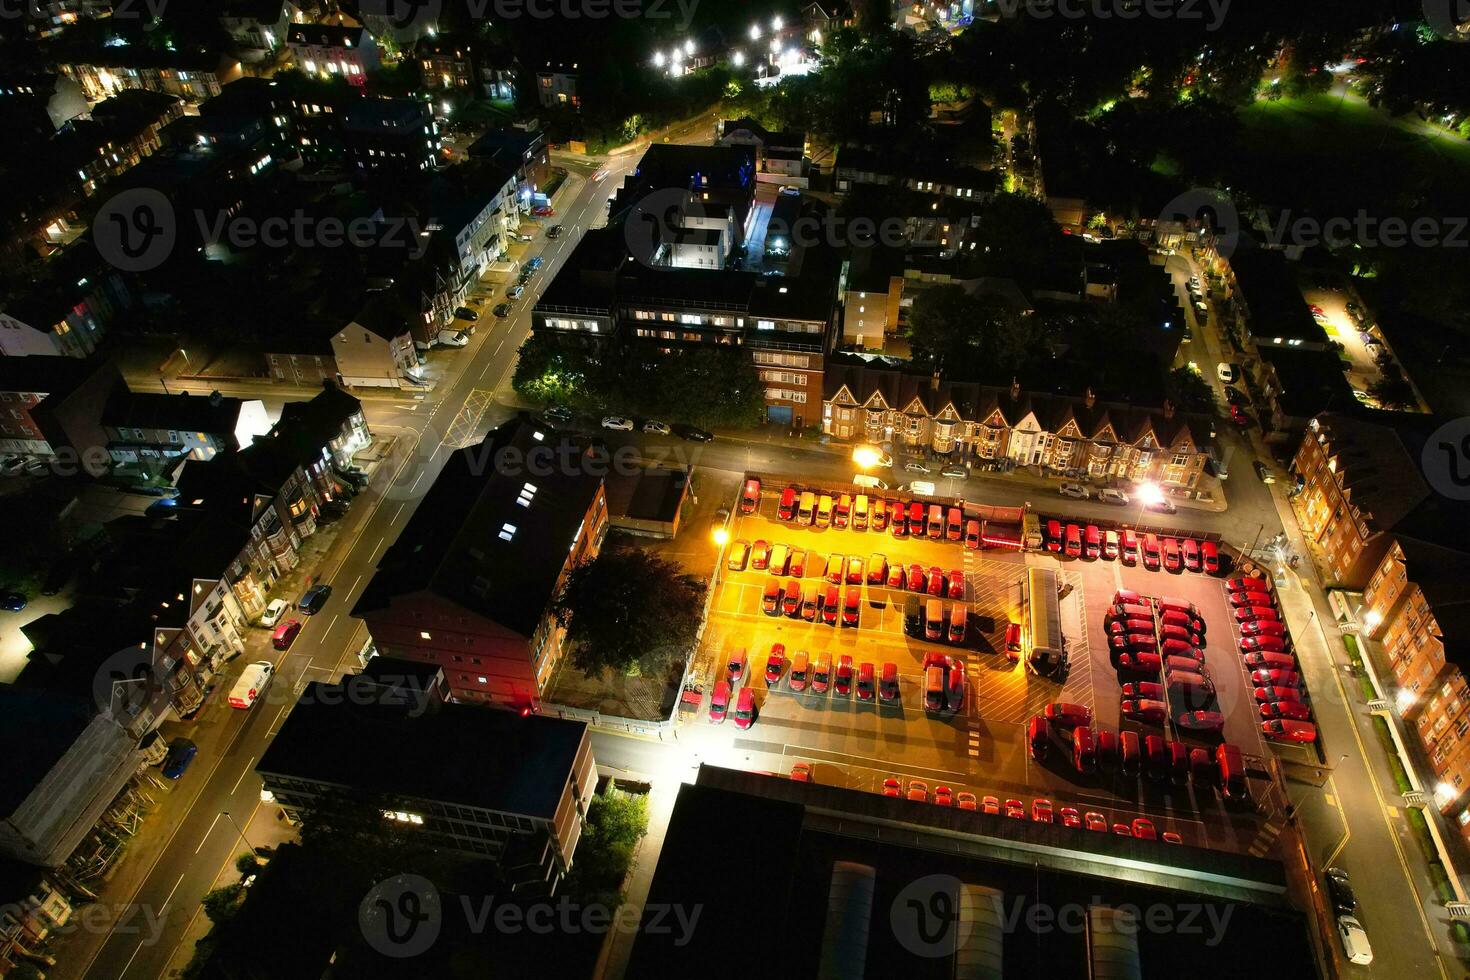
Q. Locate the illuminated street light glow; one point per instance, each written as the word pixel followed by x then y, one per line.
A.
pixel 738 58
pixel 689 47
pixel 1443 793
pixel 658 59
pixel 721 536
pixel 776 23
pixel 866 456
pixel 1404 700
pixel 1149 493
pixel 775 44
pixel 1371 619
pixel 755 32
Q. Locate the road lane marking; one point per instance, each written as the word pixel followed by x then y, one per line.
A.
pixel 171 893
pixel 129 962
pixel 241 779
pixel 208 832
pixel 334 619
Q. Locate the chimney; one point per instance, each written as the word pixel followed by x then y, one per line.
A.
pixel 1168 408
pixel 1015 388
pixel 215 398
pixel 1089 398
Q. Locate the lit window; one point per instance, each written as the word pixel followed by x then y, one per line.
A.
pixel 424 635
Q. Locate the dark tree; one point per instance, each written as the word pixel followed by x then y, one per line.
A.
pixel 627 607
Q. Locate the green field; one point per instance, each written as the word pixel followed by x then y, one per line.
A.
pixel 1333 154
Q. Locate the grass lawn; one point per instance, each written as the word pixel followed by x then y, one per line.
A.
pixel 1334 153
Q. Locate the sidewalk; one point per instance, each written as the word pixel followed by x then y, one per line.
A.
pixel 267 828
pixel 612 962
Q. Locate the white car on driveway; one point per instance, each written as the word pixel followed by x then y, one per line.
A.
pixel 618 423
pixel 1074 490
pixel 1111 496
pixel 273 612
pixel 656 427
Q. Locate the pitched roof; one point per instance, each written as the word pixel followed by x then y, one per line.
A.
pixel 901 391
pixel 474 542
pixel 317 422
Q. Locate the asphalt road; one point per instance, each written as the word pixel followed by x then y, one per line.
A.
pixel 230 742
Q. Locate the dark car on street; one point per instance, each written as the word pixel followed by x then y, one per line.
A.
pixel 181 752
pixel 314 599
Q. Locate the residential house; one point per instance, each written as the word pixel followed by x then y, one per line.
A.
pixel 523 151
pixel 927 173
pixel 455 63
pixel 475 783
pixel 260 26
pixel 469 582
pixel 145 430
pixel 332 421
pixel 1054 435
pixel 333 49
pixel 470 211
pixel 66 313
pixel 302 357
pixel 122 132
pixel 389 136
pixel 820 18
pixel 375 349
pixel 1417 606
pixel 780 153
pixel 52 407
pixel 33 904
pixel 38 100
pixel 74 719
pixel 191 76
pixel 556 85
pixel 1359 484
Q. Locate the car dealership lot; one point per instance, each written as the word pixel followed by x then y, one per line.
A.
pixel 983 747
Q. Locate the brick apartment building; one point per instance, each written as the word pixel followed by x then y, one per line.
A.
pixel 1417 605
pixel 469 582
pixel 1359 482
pixel 52 407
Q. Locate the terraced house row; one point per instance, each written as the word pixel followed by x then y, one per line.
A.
pixel 1055 434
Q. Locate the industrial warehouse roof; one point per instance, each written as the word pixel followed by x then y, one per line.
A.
pixel 474 542
pixel 451 753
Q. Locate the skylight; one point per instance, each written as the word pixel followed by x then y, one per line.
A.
pixel 507 532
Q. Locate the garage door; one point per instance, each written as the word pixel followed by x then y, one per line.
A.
pixel 779 413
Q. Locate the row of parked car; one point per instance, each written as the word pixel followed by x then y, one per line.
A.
pixel 1164 638
pixel 864 512
pixel 1091 542
pixel 1042 810
pixel 1069 728
pixel 1265 646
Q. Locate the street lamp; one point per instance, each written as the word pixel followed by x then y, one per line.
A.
pixel 721 536
pixel 776 23
pixel 238 831
pixel 866 456
pixel 755 32
pixel 738 58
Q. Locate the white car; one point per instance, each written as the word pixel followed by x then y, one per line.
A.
pixel 618 423
pixel 1074 490
pixel 599 176
pixel 12 465
pixel 1225 372
pixel 273 612
pixel 916 467
pixel 1354 940
pixel 656 427
pixel 1111 496
pixel 515 292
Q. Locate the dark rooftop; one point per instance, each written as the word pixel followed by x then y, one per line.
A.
pixel 213 413
pixel 37 728
pixel 453 753
pixel 474 542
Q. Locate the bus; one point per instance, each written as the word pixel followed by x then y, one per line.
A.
pixel 1043 621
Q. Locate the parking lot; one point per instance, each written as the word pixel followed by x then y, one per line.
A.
pixel 982 748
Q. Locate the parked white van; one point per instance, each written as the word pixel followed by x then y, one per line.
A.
pixel 251 684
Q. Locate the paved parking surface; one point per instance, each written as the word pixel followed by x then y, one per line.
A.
pixel 982 749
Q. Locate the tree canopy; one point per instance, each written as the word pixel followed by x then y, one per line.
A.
pixel 628 607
